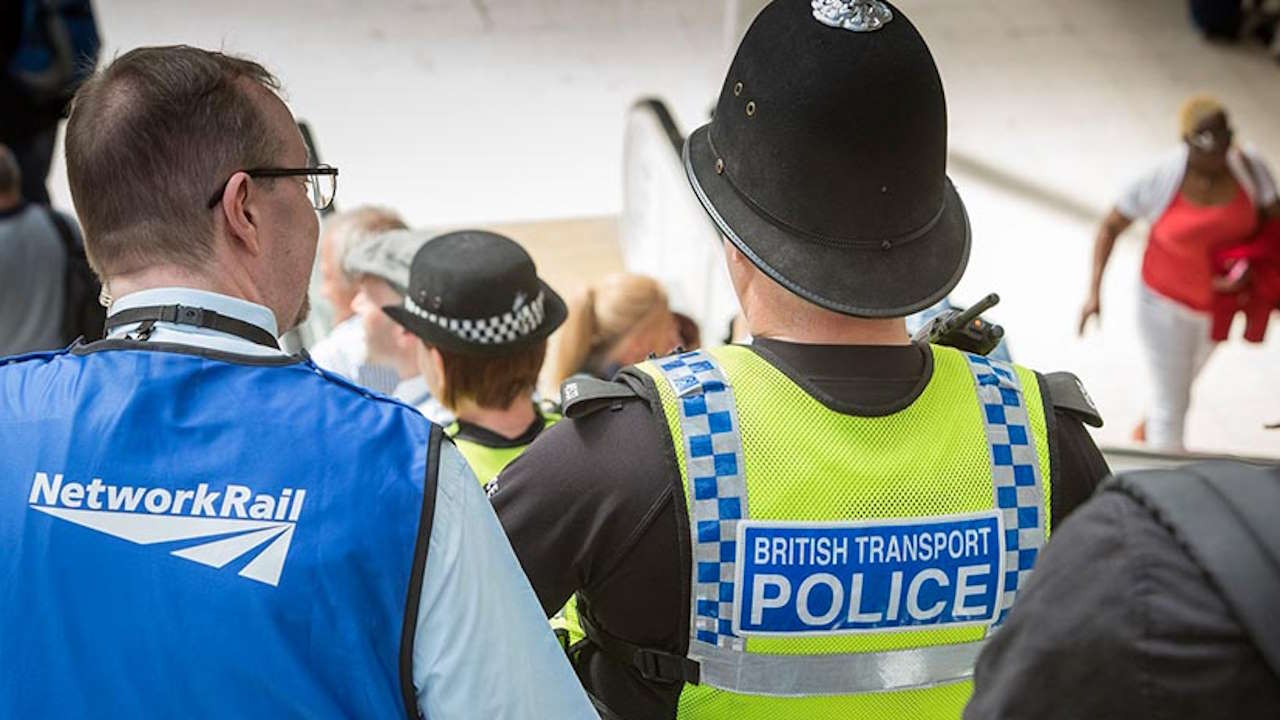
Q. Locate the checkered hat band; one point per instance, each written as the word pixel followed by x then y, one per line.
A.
pixel 496 330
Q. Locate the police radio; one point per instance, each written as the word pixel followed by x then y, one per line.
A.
pixel 964 330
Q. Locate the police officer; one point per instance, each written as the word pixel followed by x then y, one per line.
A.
pixel 483 316
pixel 829 522
pixel 196 524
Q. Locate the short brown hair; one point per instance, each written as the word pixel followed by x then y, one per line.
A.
pixel 491 382
pixel 149 139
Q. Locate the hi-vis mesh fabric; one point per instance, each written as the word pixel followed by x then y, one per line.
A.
pixel 804 461
pixel 485 461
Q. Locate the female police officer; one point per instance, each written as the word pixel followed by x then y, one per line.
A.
pixel 483 315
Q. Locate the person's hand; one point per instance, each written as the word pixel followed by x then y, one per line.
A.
pixel 1236 279
pixel 1092 308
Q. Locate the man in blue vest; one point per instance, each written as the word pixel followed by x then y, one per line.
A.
pixel 196 524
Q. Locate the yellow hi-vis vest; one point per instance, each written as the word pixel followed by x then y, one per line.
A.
pixel 847 566
pixel 487 461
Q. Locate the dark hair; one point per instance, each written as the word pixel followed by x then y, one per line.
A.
pixel 149 139
pixel 10 172
pixel 491 382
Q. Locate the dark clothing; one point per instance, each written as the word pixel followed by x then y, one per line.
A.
pixel 1119 622
pixel 488 438
pixel 34 154
pixel 29 116
pixel 596 504
pixel 27 130
pixel 1218 19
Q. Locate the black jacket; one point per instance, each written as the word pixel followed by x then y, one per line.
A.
pixel 1117 622
pixel 596 504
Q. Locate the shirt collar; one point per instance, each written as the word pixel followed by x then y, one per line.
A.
pixel 201 337
pixel 244 310
pixel 413 391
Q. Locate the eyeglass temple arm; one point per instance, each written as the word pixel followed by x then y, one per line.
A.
pixel 314 153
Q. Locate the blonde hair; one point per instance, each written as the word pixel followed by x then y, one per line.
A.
pixel 1195 110
pixel 600 316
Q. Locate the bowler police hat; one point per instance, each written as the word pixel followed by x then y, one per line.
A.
pixel 477 293
pixel 825 162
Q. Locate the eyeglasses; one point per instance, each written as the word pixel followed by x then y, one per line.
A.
pixel 321 182
pixel 1210 140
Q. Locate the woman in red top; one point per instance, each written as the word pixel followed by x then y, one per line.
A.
pixel 1203 198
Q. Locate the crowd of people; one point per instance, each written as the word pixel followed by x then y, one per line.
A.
pixel 827 520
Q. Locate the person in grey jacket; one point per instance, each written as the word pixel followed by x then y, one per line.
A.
pixel 32 265
pixel 1129 614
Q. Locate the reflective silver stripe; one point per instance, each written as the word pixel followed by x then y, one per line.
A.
pixel 710 432
pixel 803 675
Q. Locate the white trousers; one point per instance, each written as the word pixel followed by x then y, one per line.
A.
pixel 1175 340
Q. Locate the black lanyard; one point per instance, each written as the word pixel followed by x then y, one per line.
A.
pixel 183 315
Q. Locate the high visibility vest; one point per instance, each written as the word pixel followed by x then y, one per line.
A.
pixel 487 461
pixel 186 536
pixel 847 566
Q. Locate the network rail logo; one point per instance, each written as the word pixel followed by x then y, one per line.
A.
pixel 231 522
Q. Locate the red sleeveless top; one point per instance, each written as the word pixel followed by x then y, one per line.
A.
pixel 1178 262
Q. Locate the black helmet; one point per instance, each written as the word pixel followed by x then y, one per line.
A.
pixel 825 162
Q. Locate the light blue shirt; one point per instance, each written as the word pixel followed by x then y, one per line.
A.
pixel 415 392
pixel 482 648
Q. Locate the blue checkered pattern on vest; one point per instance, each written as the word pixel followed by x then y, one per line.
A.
pixel 713 459
pixel 1015 470
pixel 714 465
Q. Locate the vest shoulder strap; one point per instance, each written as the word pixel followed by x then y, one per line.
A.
pixel 1067 393
pixel 653 665
pixel 583 395
pixel 1222 515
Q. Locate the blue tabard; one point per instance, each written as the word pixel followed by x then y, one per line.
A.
pixel 190 535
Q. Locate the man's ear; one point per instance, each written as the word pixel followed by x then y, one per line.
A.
pixel 240 213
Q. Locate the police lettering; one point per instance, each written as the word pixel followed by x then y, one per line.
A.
pixel 774 591
pixel 861 576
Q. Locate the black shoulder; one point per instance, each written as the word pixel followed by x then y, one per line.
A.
pixel 582 395
pixel 1067 393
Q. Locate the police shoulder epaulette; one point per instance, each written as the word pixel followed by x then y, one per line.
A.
pixel 1066 392
pixel 582 395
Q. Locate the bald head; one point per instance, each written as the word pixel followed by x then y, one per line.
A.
pixel 151 137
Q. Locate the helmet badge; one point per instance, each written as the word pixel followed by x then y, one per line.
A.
pixel 852 15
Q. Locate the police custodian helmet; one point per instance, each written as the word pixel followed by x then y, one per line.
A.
pixel 825 162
